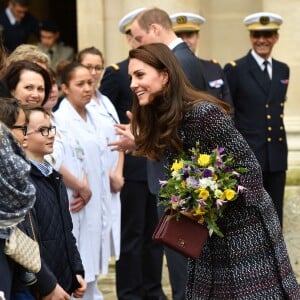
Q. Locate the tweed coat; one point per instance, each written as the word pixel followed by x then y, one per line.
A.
pixel 251 260
pixel 258 111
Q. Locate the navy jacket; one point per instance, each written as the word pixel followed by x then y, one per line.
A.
pixel 53 226
pixel 259 110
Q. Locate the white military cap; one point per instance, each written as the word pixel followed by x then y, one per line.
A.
pixel 263 21
pixel 186 21
pixel 125 22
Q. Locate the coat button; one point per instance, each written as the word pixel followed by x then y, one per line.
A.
pixel 280 139
pixel 281 127
pixel 269 128
pixel 269 117
pixel 267 106
pixel 281 116
pixel 269 139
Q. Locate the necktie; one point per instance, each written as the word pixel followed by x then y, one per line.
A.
pixel 265 71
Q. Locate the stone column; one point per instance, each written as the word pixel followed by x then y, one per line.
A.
pixel 90 24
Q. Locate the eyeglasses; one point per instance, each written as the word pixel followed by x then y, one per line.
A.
pixel 265 34
pixel 97 69
pixel 22 127
pixel 44 131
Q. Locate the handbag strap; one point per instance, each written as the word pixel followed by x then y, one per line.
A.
pixel 31 225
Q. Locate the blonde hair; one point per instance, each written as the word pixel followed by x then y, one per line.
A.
pixel 28 52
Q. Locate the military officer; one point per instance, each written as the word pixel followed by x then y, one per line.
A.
pixel 187 26
pixel 258 84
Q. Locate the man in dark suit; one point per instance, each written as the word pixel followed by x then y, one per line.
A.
pixel 258 85
pixel 139 268
pixel 17 24
pixel 187 26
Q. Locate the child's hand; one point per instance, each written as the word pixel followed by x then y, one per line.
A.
pixel 79 292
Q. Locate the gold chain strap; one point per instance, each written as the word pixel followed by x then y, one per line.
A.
pixel 33 232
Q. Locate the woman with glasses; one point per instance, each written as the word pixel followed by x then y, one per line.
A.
pixel 83 158
pixel 107 116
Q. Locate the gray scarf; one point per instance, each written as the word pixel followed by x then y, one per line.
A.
pixel 17 194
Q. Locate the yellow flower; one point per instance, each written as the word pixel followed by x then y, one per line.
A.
pixel 177 165
pixel 203 194
pixel 199 211
pixel 229 194
pixel 203 160
pixel 183 184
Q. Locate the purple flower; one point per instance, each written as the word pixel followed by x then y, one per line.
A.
pixel 207 173
pixel 220 202
pixel 192 182
pixel 201 202
pixel 240 189
pixel 227 169
pixel 175 198
pixel 163 182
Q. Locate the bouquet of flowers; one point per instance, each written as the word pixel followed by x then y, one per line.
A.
pixel 201 185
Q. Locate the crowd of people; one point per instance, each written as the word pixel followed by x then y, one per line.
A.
pixel 84 146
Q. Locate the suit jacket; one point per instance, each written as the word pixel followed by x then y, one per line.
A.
pixel 259 109
pixel 115 84
pixel 59 54
pixel 190 65
pixel 17 34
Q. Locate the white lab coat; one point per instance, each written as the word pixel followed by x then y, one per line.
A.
pixel 106 118
pixel 81 149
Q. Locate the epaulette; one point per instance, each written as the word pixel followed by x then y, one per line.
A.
pixel 115 66
pixel 233 63
pixel 214 61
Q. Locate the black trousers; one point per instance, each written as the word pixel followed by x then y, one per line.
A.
pixel 274 183
pixel 139 269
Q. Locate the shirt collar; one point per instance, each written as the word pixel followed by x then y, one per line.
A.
pixel 175 42
pixel 260 60
pixel 45 168
pixel 11 18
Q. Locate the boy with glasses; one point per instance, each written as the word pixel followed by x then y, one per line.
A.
pixel 62 274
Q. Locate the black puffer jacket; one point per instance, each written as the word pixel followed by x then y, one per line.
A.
pixel 60 257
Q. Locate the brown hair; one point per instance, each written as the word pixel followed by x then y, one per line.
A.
pixel 13 72
pixel 91 50
pixel 151 16
pixel 156 126
pixel 9 111
pixel 29 108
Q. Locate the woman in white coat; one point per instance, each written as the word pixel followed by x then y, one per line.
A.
pixel 107 116
pixel 82 153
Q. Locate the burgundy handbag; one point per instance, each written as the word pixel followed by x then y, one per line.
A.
pixel 182 234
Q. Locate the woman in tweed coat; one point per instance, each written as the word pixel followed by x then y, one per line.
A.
pixel 251 260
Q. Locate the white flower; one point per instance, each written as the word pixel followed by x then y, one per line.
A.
pixel 208 183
